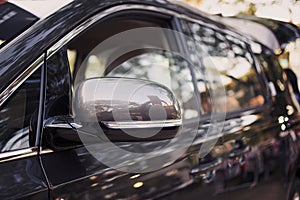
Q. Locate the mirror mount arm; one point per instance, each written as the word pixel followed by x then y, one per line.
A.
pixel 64 121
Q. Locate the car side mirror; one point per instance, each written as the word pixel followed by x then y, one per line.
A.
pixel 124 109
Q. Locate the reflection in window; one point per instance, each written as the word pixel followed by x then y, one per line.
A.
pixel 165 68
pixel 95 67
pixel 226 57
pixel 158 66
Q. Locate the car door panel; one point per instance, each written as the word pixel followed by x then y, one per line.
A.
pixel 255 147
pixel 23 178
pixel 76 174
pixel 80 175
pixel 266 173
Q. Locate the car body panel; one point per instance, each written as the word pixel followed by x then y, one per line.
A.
pixel 23 178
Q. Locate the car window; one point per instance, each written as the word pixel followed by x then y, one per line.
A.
pixel 18 115
pixel 161 67
pixel 86 60
pixel 234 65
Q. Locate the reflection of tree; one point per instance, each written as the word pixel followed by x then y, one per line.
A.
pixel 231 61
pixel 247 7
pixel 162 67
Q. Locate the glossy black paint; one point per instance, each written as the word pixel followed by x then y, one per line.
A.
pixel 12 28
pixel 256 158
pixel 23 179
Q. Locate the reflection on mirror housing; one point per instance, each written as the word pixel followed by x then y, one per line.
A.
pixel 124 109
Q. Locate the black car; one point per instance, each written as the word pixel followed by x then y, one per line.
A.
pixel 141 100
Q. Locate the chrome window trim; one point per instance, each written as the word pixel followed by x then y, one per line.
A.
pixel 18 154
pixel 13 86
pixel 75 32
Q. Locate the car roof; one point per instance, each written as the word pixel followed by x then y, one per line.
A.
pixel 272 33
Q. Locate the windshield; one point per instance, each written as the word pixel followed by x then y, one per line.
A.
pixel 13 21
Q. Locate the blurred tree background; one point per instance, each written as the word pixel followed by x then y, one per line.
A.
pixel 284 10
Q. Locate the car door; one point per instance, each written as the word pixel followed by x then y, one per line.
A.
pixel 255 145
pixel 267 146
pixel 21 173
pixel 71 166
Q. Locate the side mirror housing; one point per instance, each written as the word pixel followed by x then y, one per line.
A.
pixel 124 109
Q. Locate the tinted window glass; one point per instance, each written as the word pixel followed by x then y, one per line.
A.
pixel 18 115
pixel 229 57
pixel 88 59
pixel 162 67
